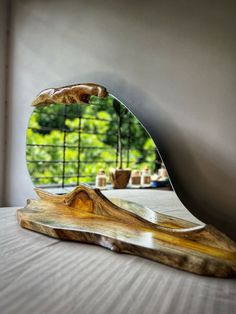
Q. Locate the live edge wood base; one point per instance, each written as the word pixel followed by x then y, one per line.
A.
pixel 86 215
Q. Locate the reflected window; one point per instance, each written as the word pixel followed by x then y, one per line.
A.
pixel 69 144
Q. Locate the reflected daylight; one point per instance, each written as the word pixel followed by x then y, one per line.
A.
pixel 100 143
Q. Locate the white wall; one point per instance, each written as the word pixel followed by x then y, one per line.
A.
pixel 172 62
pixel 3 50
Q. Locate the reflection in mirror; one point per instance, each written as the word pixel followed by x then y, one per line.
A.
pixel 101 144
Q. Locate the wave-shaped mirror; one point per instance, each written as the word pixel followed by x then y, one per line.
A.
pixel 82 134
pixel 100 143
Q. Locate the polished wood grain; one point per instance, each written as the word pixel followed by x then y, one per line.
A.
pixel 71 94
pixel 86 215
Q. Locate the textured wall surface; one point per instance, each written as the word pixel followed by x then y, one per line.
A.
pixel 3 47
pixel 172 63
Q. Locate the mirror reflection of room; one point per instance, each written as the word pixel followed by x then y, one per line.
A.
pixel 101 144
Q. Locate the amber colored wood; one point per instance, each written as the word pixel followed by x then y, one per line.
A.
pixel 72 94
pixel 86 215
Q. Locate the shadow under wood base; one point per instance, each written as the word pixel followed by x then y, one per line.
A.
pixel 86 215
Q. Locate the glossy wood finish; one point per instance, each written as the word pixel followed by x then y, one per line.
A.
pixel 86 215
pixel 72 94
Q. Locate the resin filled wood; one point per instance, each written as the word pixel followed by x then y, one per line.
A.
pixel 86 215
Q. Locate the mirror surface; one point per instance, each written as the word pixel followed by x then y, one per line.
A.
pixel 98 142
pixel 68 145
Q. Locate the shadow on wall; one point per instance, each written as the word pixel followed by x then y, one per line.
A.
pixel 198 174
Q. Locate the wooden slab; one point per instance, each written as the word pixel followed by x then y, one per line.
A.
pixel 86 215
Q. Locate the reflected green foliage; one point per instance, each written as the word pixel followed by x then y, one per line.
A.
pixel 86 138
